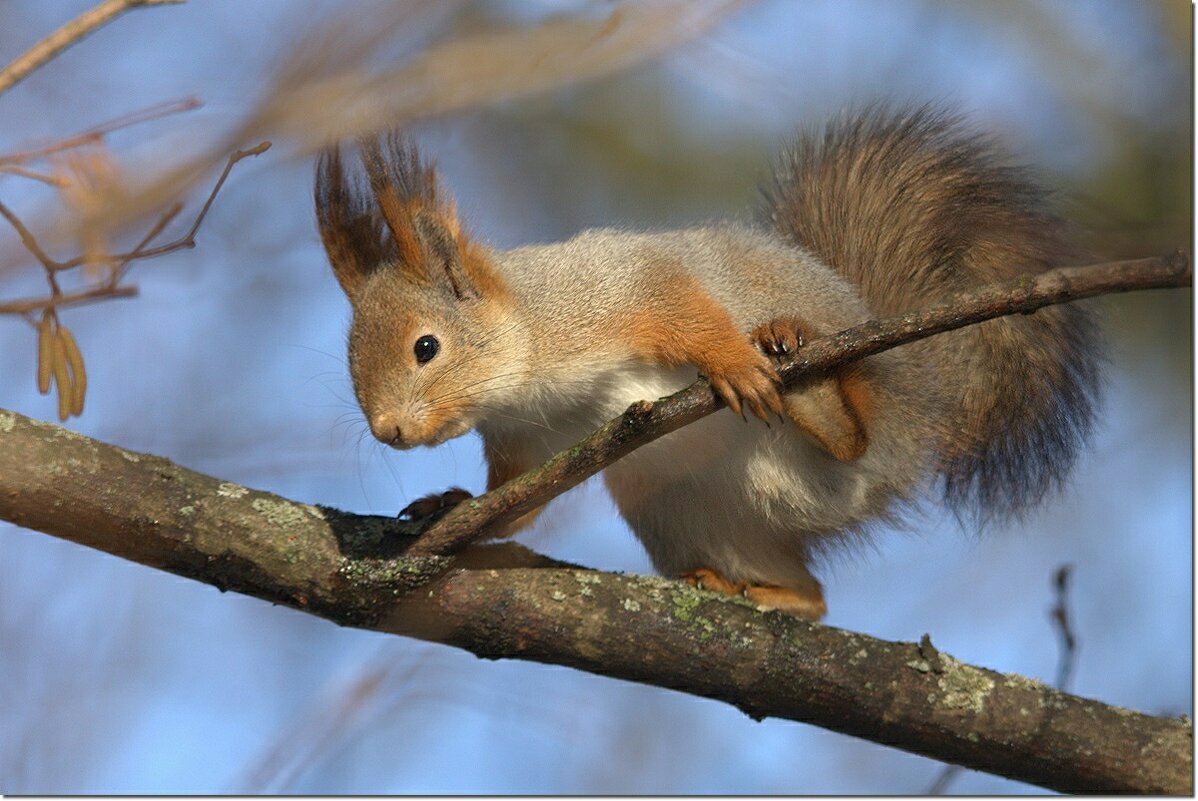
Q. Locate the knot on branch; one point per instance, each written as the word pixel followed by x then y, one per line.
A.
pixel 371 585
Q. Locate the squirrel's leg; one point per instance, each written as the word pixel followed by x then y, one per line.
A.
pixel 833 410
pixel 506 459
pixel 806 600
pixel 682 323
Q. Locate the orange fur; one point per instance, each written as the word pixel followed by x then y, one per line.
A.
pixel 397 213
pixel 820 412
pixel 833 410
pixel 479 266
pixel 858 395
pixel 399 217
pixel 681 323
pixel 806 601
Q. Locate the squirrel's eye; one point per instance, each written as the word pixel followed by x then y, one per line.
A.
pixel 426 348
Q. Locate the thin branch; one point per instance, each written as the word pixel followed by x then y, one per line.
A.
pixel 505 602
pixel 104 292
pixel 67 35
pixel 56 181
pixel 29 240
pixel 122 265
pixel 97 133
pixel 645 421
pixel 121 261
pixel 1060 619
pixel 188 240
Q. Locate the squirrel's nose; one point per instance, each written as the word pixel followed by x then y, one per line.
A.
pixel 387 429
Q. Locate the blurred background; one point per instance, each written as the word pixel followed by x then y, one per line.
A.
pixel 120 679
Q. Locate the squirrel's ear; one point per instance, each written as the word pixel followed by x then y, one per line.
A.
pixel 425 233
pixel 348 223
pixel 443 254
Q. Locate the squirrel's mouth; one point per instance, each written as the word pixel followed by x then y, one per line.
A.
pixel 435 432
pixel 452 431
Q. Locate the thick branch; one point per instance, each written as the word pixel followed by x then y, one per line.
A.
pixel 351 570
pixel 645 421
pixel 67 35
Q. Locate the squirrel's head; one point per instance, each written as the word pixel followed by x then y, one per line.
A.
pixel 434 342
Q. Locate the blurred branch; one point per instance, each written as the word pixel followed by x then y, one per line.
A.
pixel 27 306
pixel 96 134
pixel 342 81
pixel 328 92
pixel 33 175
pixel 67 35
pixel 59 360
pixel 645 421
pixel 505 602
pixel 142 251
pixel 1060 619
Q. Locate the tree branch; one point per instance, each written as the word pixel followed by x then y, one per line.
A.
pixel 645 421
pixel 68 35
pixel 503 601
pixel 96 133
pixel 120 262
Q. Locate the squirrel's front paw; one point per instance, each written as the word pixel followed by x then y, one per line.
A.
pixel 435 505
pixel 780 337
pixel 752 380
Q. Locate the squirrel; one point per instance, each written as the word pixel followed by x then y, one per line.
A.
pixel 880 213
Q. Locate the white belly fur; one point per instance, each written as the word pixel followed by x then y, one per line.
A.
pixel 737 497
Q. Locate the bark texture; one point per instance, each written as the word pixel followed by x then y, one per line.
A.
pixel 506 602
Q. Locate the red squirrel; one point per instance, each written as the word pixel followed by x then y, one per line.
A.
pixel 880 213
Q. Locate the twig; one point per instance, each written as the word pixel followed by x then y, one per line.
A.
pixel 1060 619
pixel 29 240
pixel 121 261
pixel 34 175
pixel 97 133
pixel 103 292
pixel 67 35
pixel 646 421
pixel 188 239
pixel 122 265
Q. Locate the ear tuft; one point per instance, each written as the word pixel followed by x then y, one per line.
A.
pixel 402 184
pixel 399 218
pixel 349 227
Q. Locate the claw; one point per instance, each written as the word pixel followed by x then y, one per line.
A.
pixel 780 337
pixel 434 505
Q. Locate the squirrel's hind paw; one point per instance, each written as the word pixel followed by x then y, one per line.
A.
pixel 435 505
pixel 706 579
pixel 807 603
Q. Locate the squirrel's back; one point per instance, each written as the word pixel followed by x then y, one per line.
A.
pixel 912 208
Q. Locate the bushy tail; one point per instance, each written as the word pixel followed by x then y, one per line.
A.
pixel 912 207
